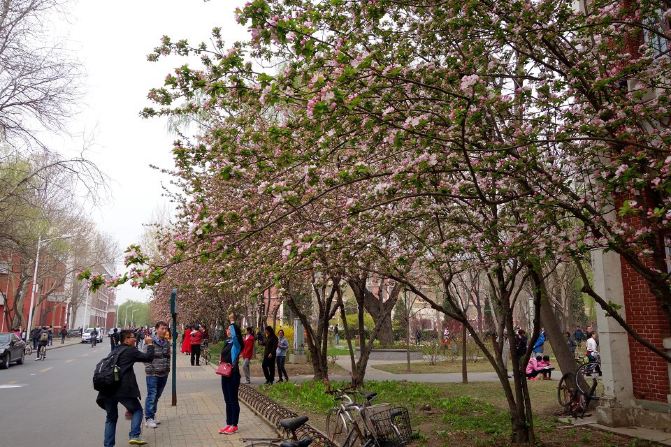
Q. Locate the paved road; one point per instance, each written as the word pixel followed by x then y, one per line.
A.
pixel 51 403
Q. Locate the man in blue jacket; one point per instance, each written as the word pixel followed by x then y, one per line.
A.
pixel 127 393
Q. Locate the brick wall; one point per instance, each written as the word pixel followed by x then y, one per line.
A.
pixel 644 313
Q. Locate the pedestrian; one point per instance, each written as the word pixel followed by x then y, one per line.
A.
pixel 571 343
pixel 35 336
pixel 94 337
pixel 127 393
pixel 230 385
pixel 63 333
pixel 157 373
pixel 51 335
pixel 186 341
pixel 540 341
pixel 281 354
pixel 196 337
pixel 578 335
pixel 591 347
pixel 418 336
pixel 247 353
pixel 521 342
pixel 336 334
pixel 114 339
pixel 269 352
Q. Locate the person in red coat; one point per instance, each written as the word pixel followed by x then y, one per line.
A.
pixel 186 341
pixel 196 340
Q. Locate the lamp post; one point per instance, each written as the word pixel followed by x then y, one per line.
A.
pixel 173 313
pixel 34 285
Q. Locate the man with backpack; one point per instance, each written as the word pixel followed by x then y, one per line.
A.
pixel 42 341
pixel 117 368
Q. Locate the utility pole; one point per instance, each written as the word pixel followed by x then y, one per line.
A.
pixel 173 312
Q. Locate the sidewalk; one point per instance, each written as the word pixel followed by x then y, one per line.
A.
pixel 377 374
pixel 199 413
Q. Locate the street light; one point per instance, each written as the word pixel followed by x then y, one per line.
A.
pixel 37 263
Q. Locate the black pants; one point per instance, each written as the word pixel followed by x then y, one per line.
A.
pixel 268 366
pixel 195 355
pixel 281 370
pixel 230 386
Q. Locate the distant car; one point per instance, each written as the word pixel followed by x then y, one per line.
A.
pixel 86 335
pixel 74 332
pixel 12 349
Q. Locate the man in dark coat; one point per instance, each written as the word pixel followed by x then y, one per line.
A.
pixel 127 393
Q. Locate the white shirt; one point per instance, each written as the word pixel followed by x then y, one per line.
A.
pixel 591 345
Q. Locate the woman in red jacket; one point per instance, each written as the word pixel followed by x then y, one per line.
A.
pixel 186 341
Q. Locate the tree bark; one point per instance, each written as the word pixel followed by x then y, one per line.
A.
pixel 464 366
pixel 551 324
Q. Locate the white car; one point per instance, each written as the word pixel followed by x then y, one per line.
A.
pixel 86 335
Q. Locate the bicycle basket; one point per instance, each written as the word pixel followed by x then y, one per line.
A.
pixel 392 427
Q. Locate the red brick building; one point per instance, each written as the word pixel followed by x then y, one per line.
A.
pixel 50 307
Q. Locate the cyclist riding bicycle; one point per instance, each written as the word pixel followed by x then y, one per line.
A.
pixel 42 341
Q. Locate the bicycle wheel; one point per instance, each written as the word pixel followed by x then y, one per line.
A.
pixel 566 389
pixel 588 380
pixel 337 426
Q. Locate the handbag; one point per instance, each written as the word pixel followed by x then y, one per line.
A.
pixel 225 369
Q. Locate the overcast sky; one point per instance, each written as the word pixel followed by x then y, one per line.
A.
pixel 112 40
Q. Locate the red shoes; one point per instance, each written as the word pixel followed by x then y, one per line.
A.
pixel 228 430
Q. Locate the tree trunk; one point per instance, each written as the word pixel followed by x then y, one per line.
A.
pixel 464 367
pixel 380 310
pixel 552 328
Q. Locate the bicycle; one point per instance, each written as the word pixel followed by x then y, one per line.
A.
pixel 41 352
pixel 289 426
pixel 205 352
pixel 351 424
pixel 575 392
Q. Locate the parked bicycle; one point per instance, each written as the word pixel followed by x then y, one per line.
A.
pixel 205 352
pixel 351 424
pixel 576 391
pixel 289 426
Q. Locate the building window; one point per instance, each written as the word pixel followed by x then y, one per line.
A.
pixel 656 27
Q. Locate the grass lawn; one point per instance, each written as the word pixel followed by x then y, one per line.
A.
pixel 439 367
pixel 455 414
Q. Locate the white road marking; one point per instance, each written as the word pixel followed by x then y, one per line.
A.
pixel 69 360
pixel 2 387
pixel 46 369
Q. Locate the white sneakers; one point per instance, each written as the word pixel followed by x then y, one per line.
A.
pixel 151 423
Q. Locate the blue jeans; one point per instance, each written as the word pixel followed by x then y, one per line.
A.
pixel 155 386
pixel 133 406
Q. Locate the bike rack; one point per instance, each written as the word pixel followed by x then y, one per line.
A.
pixel 272 412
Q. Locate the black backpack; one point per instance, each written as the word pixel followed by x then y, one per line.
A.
pixel 107 375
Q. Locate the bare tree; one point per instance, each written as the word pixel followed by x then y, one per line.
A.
pixel 37 80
